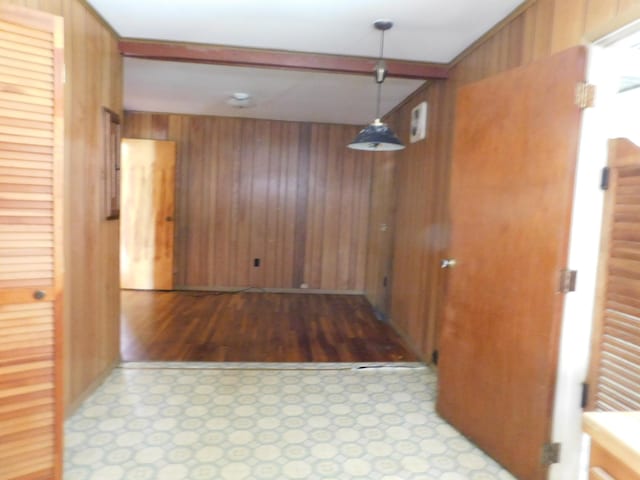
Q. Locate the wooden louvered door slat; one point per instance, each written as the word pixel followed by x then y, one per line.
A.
pixel 615 364
pixel 31 61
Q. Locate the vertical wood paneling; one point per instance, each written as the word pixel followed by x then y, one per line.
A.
pixel 624 5
pixel 422 191
pixel 225 260
pixel 599 11
pixel 569 20
pixel 381 226
pixel 93 80
pixel 338 213
pixel 420 222
pixel 93 300
pixel 301 204
pixel 243 201
pixel 287 193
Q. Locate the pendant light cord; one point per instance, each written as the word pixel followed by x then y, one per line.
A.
pixel 380 60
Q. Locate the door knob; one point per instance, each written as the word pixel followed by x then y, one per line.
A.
pixel 39 294
pixel 448 263
pixel 169 219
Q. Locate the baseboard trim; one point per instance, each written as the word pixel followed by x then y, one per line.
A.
pixel 316 291
pixel 409 342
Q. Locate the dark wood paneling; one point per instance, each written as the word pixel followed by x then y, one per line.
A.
pixel 302 204
pixel 290 194
pixel 255 327
pixel 91 291
pixel 381 223
pixel 338 210
pixel 538 30
pixel 421 231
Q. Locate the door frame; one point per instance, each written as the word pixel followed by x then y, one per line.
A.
pixel 584 251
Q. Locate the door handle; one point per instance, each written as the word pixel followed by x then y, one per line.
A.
pixel 169 219
pixel 448 263
pixel 39 294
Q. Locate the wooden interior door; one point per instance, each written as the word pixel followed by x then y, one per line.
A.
pixel 146 214
pixel 514 156
pixel 31 158
pixel 615 358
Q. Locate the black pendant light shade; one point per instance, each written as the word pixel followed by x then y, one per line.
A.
pixel 376 137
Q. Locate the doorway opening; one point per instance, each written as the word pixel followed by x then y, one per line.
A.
pixel 614 68
pixel 168 313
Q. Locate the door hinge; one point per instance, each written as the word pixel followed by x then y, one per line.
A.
pixel 567 281
pixel 550 453
pixel 604 179
pixel 585 95
pixel 584 400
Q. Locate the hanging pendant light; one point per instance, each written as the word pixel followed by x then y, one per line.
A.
pixel 378 136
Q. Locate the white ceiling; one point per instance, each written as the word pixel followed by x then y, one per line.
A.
pixel 424 30
pixel 284 94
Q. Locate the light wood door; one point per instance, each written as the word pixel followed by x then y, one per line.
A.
pixel 615 358
pixel 31 123
pixel 514 160
pixel 146 214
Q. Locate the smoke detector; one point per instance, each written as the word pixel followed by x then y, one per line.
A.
pixel 239 100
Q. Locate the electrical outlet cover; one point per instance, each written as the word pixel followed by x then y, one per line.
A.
pixel 418 129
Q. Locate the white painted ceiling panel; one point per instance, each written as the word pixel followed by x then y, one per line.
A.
pixel 178 87
pixel 424 30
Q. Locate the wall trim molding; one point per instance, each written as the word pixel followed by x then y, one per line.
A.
pixel 249 57
pixel 314 291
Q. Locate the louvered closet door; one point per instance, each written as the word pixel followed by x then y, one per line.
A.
pixel 615 376
pixel 30 244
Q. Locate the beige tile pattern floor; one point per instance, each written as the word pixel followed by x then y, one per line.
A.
pixel 269 421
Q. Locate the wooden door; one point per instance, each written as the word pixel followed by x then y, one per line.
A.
pixel 514 158
pixel 615 358
pixel 31 156
pixel 146 214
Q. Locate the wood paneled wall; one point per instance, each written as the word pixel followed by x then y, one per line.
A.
pixel 421 226
pixel 290 194
pixel 91 292
pixel 381 227
pixel 535 31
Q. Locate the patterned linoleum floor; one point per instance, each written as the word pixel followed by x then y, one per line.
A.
pixel 285 421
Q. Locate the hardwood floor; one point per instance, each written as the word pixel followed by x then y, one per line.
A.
pixel 255 327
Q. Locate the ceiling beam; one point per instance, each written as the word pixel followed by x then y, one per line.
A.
pixel 245 57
